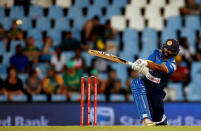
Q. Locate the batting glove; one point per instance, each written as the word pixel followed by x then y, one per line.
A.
pixel 141 62
pixel 135 66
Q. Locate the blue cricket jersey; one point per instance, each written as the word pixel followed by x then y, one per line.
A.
pixel 159 78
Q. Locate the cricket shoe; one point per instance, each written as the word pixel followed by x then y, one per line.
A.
pixel 163 122
pixel 148 122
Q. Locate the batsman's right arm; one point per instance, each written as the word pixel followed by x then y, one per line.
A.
pixel 157 67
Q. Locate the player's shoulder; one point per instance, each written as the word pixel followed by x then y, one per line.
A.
pixel 157 51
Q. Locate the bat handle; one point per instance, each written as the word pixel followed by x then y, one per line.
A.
pixel 129 63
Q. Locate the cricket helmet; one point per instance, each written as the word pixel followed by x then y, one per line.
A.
pixel 173 45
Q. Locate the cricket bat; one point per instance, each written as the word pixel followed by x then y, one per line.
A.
pixel 109 56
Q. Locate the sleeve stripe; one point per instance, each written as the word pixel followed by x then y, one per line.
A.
pixel 149 60
pixel 174 66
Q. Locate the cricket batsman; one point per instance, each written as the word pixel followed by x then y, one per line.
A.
pixel 148 91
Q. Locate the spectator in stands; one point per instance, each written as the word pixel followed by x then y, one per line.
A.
pixel 47 50
pixel 109 32
pixel 33 83
pixel 110 84
pixel 14 32
pixel 13 84
pixel 70 43
pixel 182 74
pixel 80 62
pixel 186 51
pixel 7 43
pixel 19 60
pixel 101 81
pixel 101 65
pixel 58 60
pixel 31 51
pixel 52 83
pixel 21 37
pixel 118 88
pixel 127 89
pixel 198 53
pixel 72 78
pixel 198 56
pixel 2 32
pixel 2 89
pixel 87 29
pixel 191 8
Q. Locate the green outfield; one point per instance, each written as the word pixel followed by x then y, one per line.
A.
pixel 102 128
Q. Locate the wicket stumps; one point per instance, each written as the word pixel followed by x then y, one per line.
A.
pixel 88 99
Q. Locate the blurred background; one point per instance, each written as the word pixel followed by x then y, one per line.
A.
pixel 43 55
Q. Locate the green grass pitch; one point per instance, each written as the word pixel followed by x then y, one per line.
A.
pixel 101 128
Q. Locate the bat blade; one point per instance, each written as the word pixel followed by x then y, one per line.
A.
pixel 108 56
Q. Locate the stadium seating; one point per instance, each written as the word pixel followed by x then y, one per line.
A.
pixel 3 48
pixel 193 92
pixel 19 14
pixel 2 12
pixel 158 3
pixel 44 4
pixel 55 35
pixel 9 3
pixel 6 22
pixel 100 97
pixel 190 35
pixel 198 1
pixel 43 24
pixel 118 23
pixel 58 98
pixel 3 98
pixel 152 12
pixel 82 4
pixel 62 24
pixel 6 58
pixel 35 12
pixel 76 97
pixel 139 3
pixel 119 3
pixel 117 98
pixel 39 98
pixel 178 89
pixel 68 54
pixel 27 24
pixel 177 3
pixel 137 23
pixel 174 22
pixel 93 11
pixel 101 3
pixel 192 22
pixel 79 22
pixel 13 44
pixel 170 11
pixel 20 98
pixel 55 12
pixel 156 23
pixel 112 10
pixel 131 11
pixel 3 69
pixel 168 33
pixel 35 33
pixel 72 10
pixel 64 3
pixel 149 39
